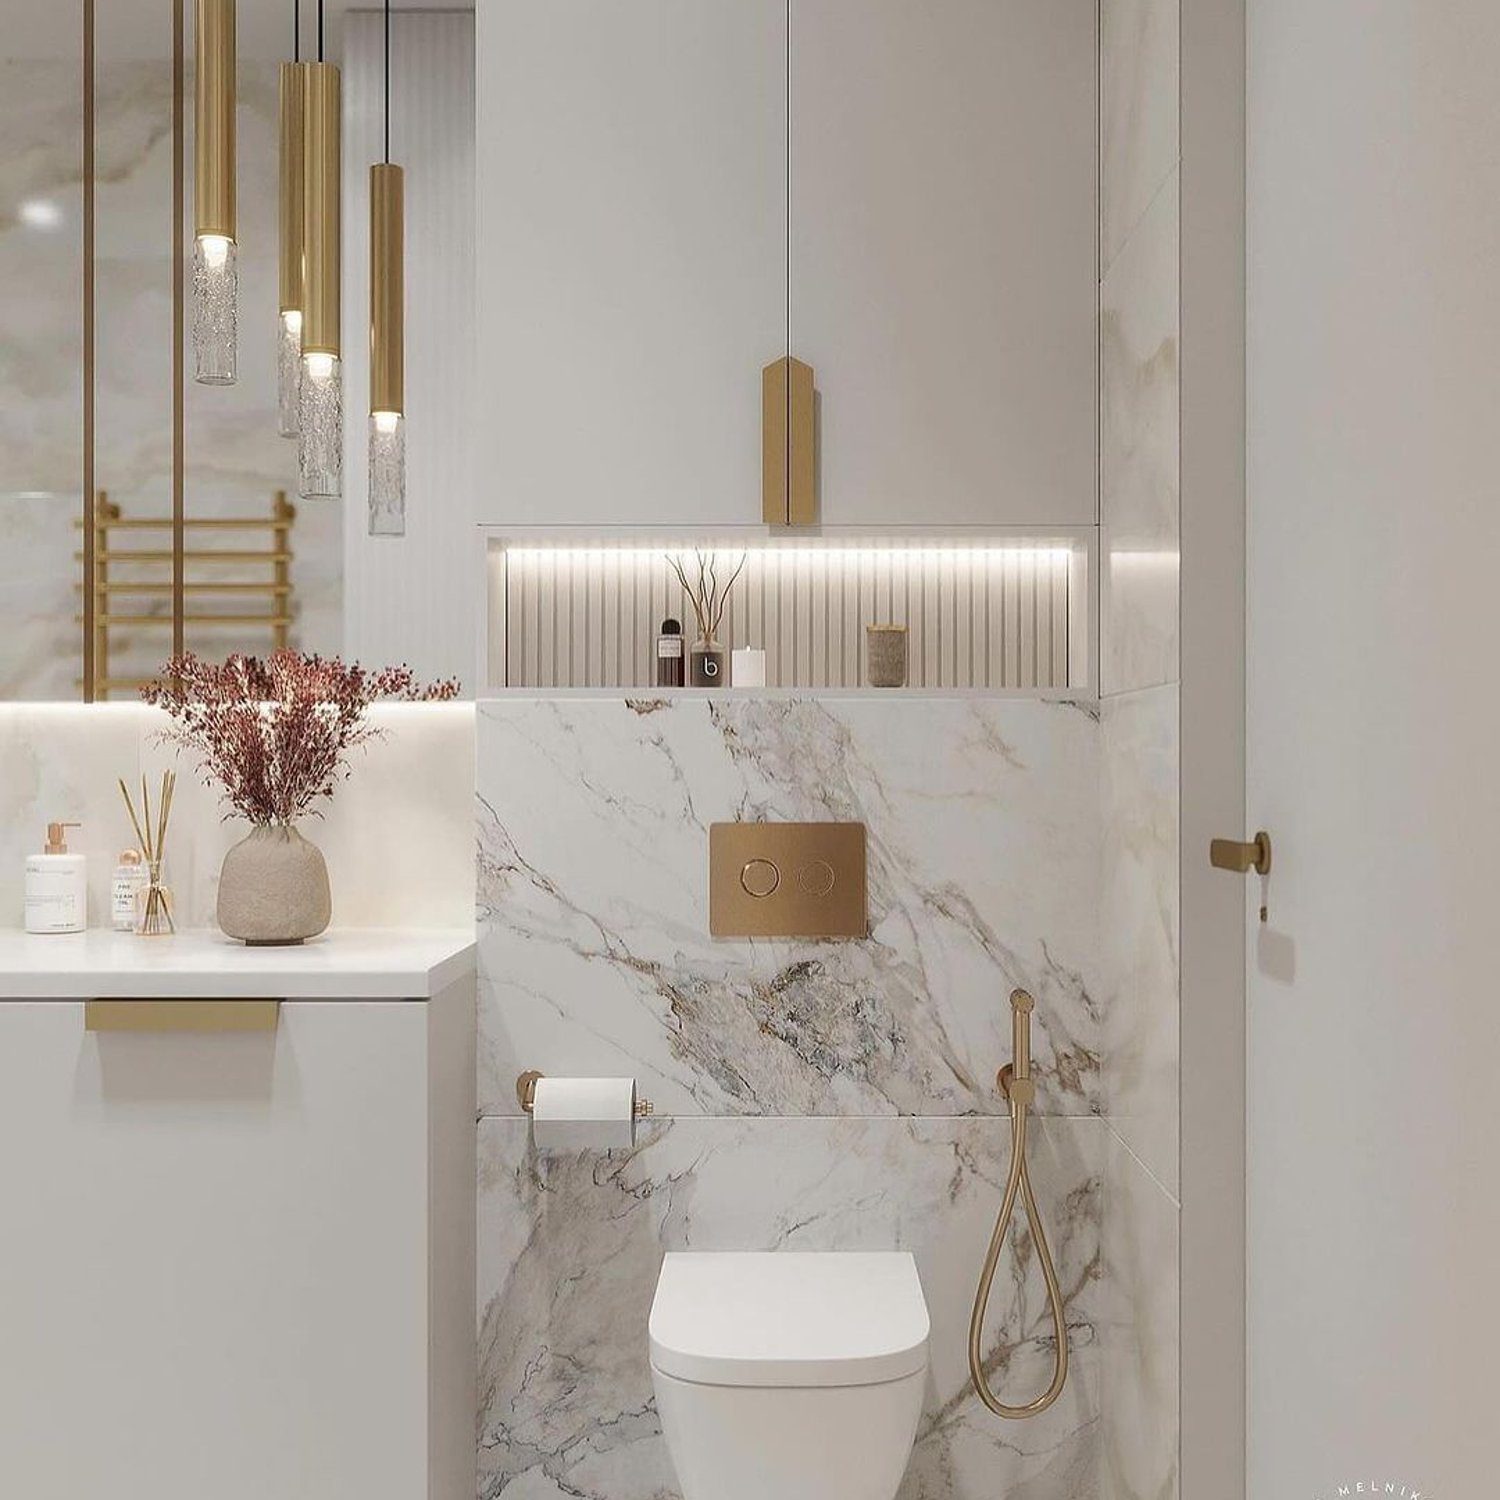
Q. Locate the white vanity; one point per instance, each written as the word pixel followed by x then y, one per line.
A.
pixel 237 1217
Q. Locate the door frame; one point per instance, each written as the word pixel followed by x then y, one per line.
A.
pixel 1212 789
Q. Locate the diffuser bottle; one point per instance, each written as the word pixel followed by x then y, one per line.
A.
pixel 670 664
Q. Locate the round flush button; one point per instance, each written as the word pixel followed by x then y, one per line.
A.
pixel 760 877
pixel 816 879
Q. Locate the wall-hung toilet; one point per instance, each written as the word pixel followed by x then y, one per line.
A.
pixel 797 1376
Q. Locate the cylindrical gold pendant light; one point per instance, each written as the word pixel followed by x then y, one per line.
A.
pixel 387 476
pixel 215 275
pixel 320 417
pixel 387 351
pixel 293 85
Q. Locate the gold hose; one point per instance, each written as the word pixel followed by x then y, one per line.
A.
pixel 1016 1083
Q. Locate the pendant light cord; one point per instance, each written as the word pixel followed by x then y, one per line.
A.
pixel 320 30
pixel 387 82
pixel 296 30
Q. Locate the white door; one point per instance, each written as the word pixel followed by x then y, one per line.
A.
pixel 1373 203
pixel 631 257
pixel 944 268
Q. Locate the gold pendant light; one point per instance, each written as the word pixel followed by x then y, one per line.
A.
pixel 320 412
pixel 387 466
pixel 293 92
pixel 215 273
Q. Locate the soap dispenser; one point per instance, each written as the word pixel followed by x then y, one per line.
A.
pixel 57 891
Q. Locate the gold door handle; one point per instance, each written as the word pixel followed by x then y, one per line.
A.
pixel 789 457
pixel 180 1015
pixel 1232 854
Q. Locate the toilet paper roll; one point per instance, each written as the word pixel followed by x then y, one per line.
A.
pixel 583 1114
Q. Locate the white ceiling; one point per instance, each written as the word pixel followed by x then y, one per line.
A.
pixel 141 29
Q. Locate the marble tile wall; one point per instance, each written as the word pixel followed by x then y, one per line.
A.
pixel 1139 792
pixel 983 874
pixel 398 835
pixel 1139 1330
pixel 570 1247
pixel 1138 421
pixel 1138 366
pixel 1139 922
pixel 813 1095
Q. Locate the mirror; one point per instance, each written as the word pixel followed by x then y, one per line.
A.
pixel 259 566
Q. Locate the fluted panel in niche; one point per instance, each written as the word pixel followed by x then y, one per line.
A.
pixel 414 598
pixel 977 615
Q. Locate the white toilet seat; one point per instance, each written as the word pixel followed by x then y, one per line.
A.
pixel 799 1375
pixel 789 1318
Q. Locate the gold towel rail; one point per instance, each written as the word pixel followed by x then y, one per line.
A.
pixel 102 584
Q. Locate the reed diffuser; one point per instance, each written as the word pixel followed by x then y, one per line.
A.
pixel 154 903
pixel 708 598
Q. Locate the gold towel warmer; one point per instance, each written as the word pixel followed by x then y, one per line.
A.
pixel 108 520
pixel 1018 1086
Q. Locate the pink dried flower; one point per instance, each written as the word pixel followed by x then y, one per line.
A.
pixel 276 734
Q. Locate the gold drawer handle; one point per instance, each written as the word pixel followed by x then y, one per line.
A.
pixel 181 1015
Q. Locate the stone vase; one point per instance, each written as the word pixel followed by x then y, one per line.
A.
pixel 273 888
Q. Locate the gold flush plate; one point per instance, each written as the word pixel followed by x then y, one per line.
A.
pixel 787 880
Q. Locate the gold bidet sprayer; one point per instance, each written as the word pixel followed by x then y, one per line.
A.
pixel 1016 1084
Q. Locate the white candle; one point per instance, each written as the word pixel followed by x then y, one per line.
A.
pixel 748 667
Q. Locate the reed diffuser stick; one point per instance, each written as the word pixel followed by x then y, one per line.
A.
pixel 135 822
pixel 156 917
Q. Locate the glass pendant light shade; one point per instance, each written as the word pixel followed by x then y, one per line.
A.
pixel 387 473
pixel 320 428
pixel 215 300
pixel 215 270
pixel 321 399
pixel 288 373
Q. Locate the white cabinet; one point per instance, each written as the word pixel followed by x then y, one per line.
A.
pixel 943 281
pixel 674 193
pixel 632 256
pixel 239 1265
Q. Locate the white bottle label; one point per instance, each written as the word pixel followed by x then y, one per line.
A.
pixel 669 645
pixel 123 898
pixel 53 902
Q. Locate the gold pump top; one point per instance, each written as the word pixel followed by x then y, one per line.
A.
pixel 56 840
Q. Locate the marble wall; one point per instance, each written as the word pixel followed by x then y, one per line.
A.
pixel 811 1094
pixel 1139 828
pixel 398 834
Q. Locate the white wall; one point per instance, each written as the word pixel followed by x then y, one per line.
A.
pixel 1374 320
pixel 414 598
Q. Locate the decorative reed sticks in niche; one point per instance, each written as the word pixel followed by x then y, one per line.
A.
pixel 706 597
pixel 706 659
pixel 154 914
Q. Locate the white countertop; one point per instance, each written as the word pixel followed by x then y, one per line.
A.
pixel 348 964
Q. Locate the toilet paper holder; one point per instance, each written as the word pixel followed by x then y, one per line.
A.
pixel 526 1095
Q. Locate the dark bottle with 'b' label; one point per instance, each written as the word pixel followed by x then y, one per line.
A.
pixel 671 659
